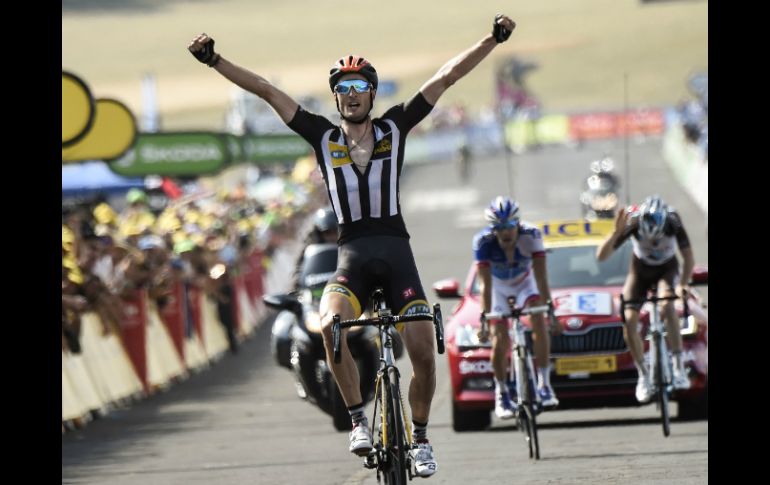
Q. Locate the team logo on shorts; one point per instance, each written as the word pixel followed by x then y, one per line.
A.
pixel 417 306
pixel 337 289
pixel 408 293
pixel 341 279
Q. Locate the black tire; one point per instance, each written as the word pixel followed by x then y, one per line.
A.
pixel 471 420
pixel 394 465
pixel 528 423
pixel 694 409
pixel 661 386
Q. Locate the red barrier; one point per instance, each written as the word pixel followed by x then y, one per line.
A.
pixel 133 333
pixel 195 310
pixel 609 125
pixel 237 282
pixel 254 281
pixel 172 316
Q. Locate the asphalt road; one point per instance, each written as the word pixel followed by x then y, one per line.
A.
pixel 241 421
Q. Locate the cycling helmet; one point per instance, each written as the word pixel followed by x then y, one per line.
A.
pixel 352 64
pixel 325 220
pixel 652 217
pixel 502 212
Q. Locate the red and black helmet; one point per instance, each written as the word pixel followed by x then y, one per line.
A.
pixel 352 64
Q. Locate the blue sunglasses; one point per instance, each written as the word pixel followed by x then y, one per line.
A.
pixel 507 225
pixel 361 86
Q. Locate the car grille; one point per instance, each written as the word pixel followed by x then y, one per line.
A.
pixel 601 338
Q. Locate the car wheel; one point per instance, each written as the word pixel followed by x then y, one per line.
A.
pixel 694 409
pixel 470 420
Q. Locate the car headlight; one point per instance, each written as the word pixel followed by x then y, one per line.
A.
pixel 466 336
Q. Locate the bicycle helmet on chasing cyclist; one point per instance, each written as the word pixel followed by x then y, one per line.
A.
pixel 352 64
pixel 502 212
pixel 652 217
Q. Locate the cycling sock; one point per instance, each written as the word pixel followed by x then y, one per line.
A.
pixel 677 356
pixel 544 376
pixel 419 432
pixel 357 414
pixel 500 386
pixel 640 368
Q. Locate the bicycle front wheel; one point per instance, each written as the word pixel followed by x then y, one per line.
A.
pixel 660 383
pixel 394 442
pixel 528 421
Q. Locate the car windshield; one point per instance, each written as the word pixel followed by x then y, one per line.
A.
pixel 577 266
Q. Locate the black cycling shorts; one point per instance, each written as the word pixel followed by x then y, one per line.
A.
pixel 386 261
pixel 642 277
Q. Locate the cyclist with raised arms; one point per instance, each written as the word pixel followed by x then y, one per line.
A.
pixel 361 161
pixel 510 259
pixel 657 231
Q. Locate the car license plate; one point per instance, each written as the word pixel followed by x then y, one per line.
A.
pixel 593 365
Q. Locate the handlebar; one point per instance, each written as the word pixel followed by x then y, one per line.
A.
pixel 652 299
pixel 389 320
pixel 518 312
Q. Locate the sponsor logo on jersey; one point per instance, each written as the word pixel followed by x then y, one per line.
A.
pixel 383 146
pixel 339 154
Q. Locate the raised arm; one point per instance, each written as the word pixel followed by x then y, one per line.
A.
pixel 463 63
pixel 607 247
pixel 202 47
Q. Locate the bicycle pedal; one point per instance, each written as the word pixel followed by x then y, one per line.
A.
pixel 370 461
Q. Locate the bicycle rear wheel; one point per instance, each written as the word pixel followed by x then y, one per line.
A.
pixel 393 466
pixel 661 385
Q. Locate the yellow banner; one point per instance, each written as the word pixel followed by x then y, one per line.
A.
pixel 112 133
pixel 77 108
pixel 575 230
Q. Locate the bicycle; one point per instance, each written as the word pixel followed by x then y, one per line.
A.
pixel 390 453
pixel 522 371
pixel 659 363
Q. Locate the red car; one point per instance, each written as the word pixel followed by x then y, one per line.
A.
pixel 592 366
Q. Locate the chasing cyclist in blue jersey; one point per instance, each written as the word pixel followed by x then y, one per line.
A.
pixel 510 259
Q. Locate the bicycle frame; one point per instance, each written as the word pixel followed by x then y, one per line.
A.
pixel 659 363
pixel 523 368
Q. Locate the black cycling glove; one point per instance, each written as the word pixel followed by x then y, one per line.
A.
pixel 499 32
pixel 207 55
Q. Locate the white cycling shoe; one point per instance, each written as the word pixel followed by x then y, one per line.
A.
pixel 422 457
pixel 361 440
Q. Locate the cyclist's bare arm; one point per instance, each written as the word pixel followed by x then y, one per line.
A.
pixel 462 64
pixel 541 278
pixel 485 287
pixel 281 102
pixel 607 247
pixel 688 262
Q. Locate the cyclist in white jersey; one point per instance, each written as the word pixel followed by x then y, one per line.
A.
pixel 657 231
